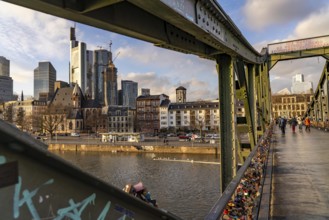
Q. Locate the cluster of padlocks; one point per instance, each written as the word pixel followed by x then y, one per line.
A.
pixel 247 193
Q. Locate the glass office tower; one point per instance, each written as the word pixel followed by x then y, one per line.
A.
pixel 44 80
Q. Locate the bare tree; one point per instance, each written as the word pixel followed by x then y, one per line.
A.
pixel 52 117
pixel 50 123
pixel 200 121
pixel 20 115
pixel 8 114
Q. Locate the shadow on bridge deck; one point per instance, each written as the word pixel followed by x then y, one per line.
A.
pixel 300 184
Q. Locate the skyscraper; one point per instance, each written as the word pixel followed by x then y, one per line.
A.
pixel 110 85
pixel 129 93
pixel 6 82
pixel 44 79
pixel 80 62
pixel 299 86
pixel 4 66
pixel 101 59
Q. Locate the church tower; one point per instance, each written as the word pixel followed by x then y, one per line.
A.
pixel 181 95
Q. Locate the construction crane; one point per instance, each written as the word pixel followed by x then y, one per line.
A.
pixel 116 56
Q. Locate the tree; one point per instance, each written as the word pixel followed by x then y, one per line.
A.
pixel 8 114
pixel 52 117
pixel 50 123
pixel 20 118
pixel 36 120
pixel 199 124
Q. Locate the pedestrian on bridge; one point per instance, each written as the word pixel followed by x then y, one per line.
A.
pixel 300 123
pixel 293 124
pixel 282 124
pixel 307 124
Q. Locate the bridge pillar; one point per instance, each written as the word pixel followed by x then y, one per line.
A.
pixel 228 152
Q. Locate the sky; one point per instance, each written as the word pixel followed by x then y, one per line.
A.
pixel 28 37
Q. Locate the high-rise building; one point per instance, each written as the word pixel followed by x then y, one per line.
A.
pixel 110 85
pixel 6 82
pixel 80 62
pixel 299 86
pixel 129 93
pixel 4 66
pixel 101 59
pixel 44 80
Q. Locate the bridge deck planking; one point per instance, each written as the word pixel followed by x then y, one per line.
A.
pixel 300 188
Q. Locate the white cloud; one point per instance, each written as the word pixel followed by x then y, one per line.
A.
pixel 314 25
pixel 282 73
pixel 313 22
pixel 166 70
pixel 261 14
pixel 32 36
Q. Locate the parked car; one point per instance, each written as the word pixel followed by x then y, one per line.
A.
pixel 184 138
pixel 75 134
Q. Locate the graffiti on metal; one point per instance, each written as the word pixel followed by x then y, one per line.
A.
pixel 74 210
pixel 297 45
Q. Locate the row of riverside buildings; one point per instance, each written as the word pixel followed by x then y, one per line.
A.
pixel 153 113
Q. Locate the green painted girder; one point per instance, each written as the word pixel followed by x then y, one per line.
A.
pixel 228 144
pixel 275 58
pixel 318 108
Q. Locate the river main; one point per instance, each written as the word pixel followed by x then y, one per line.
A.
pixel 187 189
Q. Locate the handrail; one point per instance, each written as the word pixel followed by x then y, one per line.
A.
pixel 217 210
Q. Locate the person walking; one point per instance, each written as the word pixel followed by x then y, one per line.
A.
pixel 293 124
pixel 282 124
pixel 300 124
pixel 307 124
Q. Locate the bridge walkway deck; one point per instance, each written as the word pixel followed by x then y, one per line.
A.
pixel 300 181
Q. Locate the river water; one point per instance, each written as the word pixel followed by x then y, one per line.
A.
pixel 186 189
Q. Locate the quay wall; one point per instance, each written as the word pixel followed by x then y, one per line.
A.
pixel 136 149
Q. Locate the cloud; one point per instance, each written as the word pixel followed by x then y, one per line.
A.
pixel 282 73
pixel 29 36
pixel 165 70
pixel 261 14
pixel 314 25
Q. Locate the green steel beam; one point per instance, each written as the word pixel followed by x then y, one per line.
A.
pixel 247 100
pixel 252 96
pixel 259 103
pixel 226 87
pixel 275 58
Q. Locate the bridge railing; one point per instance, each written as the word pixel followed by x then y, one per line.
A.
pixel 241 197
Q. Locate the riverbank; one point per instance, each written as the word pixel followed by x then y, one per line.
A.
pixel 134 148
